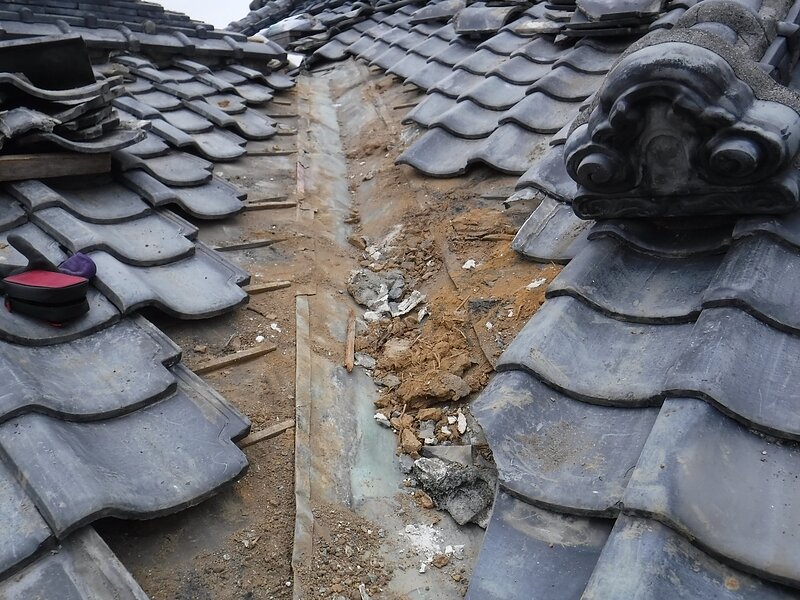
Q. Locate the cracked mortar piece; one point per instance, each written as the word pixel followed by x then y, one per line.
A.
pixel 466 492
pixel 407 305
pixel 371 289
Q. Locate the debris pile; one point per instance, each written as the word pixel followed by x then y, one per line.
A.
pixel 64 107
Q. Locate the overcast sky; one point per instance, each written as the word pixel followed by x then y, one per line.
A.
pixel 217 12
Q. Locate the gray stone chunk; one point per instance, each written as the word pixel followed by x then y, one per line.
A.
pixel 717 483
pixel 24 532
pixel 644 560
pixel 121 368
pixel 465 491
pixel 595 358
pixel 152 462
pixel 530 552
pixel 744 367
pixel 81 568
pixel 557 452
pixel 198 287
pixel 147 241
pixel 552 233
pixel 632 286
pixel 759 276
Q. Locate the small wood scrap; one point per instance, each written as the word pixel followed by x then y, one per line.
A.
pixel 270 286
pixel 249 245
pixel 268 205
pixel 271 152
pixel 282 102
pixel 405 105
pixel 350 349
pixel 286 132
pixel 234 359
pixel 15 167
pixel 266 434
pixel 283 116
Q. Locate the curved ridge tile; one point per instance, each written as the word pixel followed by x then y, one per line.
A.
pixel 541 50
pixel 631 286
pixel 784 228
pixel 480 62
pixel 21 329
pixel 520 70
pixel 81 568
pixel 511 149
pixel 100 201
pixel 253 125
pixel 229 103
pixel 11 213
pixel 556 452
pixel 455 52
pixel 439 154
pixel 716 483
pixel 495 93
pixel 468 120
pixel 177 168
pixel 121 369
pixel 593 357
pixel 407 66
pixel 725 362
pixel 541 113
pixel 147 241
pixel 219 145
pixel 564 83
pixel 159 101
pixel 552 233
pixel 216 199
pixel 504 42
pixel 759 275
pixel 24 531
pixel 650 238
pixel 197 287
pixel 374 50
pixel 429 75
pixel 334 51
pixel 187 121
pixel 255 94
pixel 109 142
pixel 549 174
pixel 645 560
pixel 563 549
pixel 429 109
pixel 152 145
pixel 152 462
pixel 430 47
pixel 586 59
pixel 457 83
pixel 390 57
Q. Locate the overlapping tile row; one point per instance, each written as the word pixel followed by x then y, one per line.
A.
pixel 643 422
pixel 131 25
pixel 98 416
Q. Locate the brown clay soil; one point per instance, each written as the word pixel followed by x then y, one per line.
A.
pixel 238 545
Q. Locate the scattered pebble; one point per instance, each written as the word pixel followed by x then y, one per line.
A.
pixel 259 339
pixel 469 265
pixel 536 283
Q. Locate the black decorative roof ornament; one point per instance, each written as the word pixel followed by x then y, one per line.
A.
pixel 687 124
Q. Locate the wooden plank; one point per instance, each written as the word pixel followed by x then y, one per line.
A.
pixel 282 116
pixel 15 167
pixel 405 105
pixel 234 359
pixel 271 152
pixel 260 288
pixel 350 348
pixel 249 245
pixel 304 517
pixel 266 434
pixel 269 205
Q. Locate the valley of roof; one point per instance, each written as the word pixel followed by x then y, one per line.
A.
pixel 644 421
